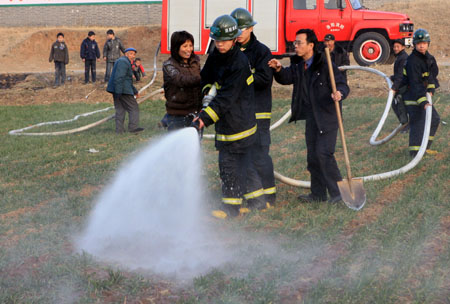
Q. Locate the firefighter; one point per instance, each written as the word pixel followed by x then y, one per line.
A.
pixel 313 101
pixel 232 111
pixel 420 77
pixel 398 104
pixel 258 55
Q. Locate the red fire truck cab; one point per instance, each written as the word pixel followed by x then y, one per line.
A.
pixel 368 34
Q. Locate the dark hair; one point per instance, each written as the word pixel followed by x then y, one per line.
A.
pixel 137 59
pixel 310 37
pixel 399 41
pixel 59 34
pixel 110 32
pixel 91 33
pixel 176 41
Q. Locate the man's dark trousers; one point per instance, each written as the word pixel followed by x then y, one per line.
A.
pixel 89 64
pixel 60 73
pixel 126 103
pixel 321 162
pixel 109 67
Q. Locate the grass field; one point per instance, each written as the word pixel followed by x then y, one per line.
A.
pixel 395 250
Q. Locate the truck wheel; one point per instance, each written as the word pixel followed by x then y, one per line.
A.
pixel 371 48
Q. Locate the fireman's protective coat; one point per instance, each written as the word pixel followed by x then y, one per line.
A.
pixel 233 108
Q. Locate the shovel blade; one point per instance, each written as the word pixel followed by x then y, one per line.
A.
pixel 353 193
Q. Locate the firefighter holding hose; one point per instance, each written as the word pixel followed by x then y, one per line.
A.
pixel 232 111
pixel 420 77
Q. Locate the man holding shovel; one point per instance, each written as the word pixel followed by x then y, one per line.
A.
pixel 314 102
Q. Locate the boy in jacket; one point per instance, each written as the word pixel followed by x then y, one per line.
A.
pixel 111 52
pixel 232 111
pixel 313 101
pixel 60 55
pixel 89 53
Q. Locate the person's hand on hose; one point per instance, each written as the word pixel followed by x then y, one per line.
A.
pixel 197 123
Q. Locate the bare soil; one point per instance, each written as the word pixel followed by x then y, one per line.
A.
pixel 26 76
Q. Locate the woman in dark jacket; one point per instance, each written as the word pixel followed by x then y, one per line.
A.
pixel 181 82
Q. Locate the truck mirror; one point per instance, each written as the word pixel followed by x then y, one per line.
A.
pixel 339 4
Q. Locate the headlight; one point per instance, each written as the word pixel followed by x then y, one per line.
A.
pixel 406 27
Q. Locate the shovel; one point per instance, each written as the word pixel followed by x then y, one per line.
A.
pixel 352 190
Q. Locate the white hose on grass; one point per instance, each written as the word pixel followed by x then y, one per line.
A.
pixel 89 126
pixel 76 130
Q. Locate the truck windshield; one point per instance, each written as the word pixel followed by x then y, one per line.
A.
pixel 356 4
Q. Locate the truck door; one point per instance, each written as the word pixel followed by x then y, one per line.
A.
pixel 300 14
pixel 335 20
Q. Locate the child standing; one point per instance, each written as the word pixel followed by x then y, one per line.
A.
pixel 89 53
pixel 60 55
pixel 138 69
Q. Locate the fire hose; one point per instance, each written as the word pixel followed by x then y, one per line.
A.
pixel 373 139
pixel 94 124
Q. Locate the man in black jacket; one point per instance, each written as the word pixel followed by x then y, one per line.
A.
pixel 313 101
pixel 420 76
pixel 89 53
pixel 111 52
pixel 258 55
pixel 232 111
pixel 400 59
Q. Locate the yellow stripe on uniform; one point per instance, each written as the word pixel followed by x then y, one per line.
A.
pixel 431 86
pixel 250 79
pixel 425 74
pixel 218 86
pixel 263 115
pixel 271 190
pixel 212 114
pixel 404 72
pixel 414 148
pixel 254 194
pixel 411 103
pixel 421 99
pixel 237 136
pixel 232 201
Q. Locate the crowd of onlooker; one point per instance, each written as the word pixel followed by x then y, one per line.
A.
pixel 90 54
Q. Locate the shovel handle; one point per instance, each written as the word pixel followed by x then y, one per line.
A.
pixel 339 116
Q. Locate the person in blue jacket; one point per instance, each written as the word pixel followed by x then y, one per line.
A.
pixel 89 53
pixel 120 84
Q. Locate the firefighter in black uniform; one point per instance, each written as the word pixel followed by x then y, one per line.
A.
pixel 232 111
pixel 400 59
pixel 258 55
pixel 420 77
pixel 313 101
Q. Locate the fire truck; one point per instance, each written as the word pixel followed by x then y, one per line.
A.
pixel 367 33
